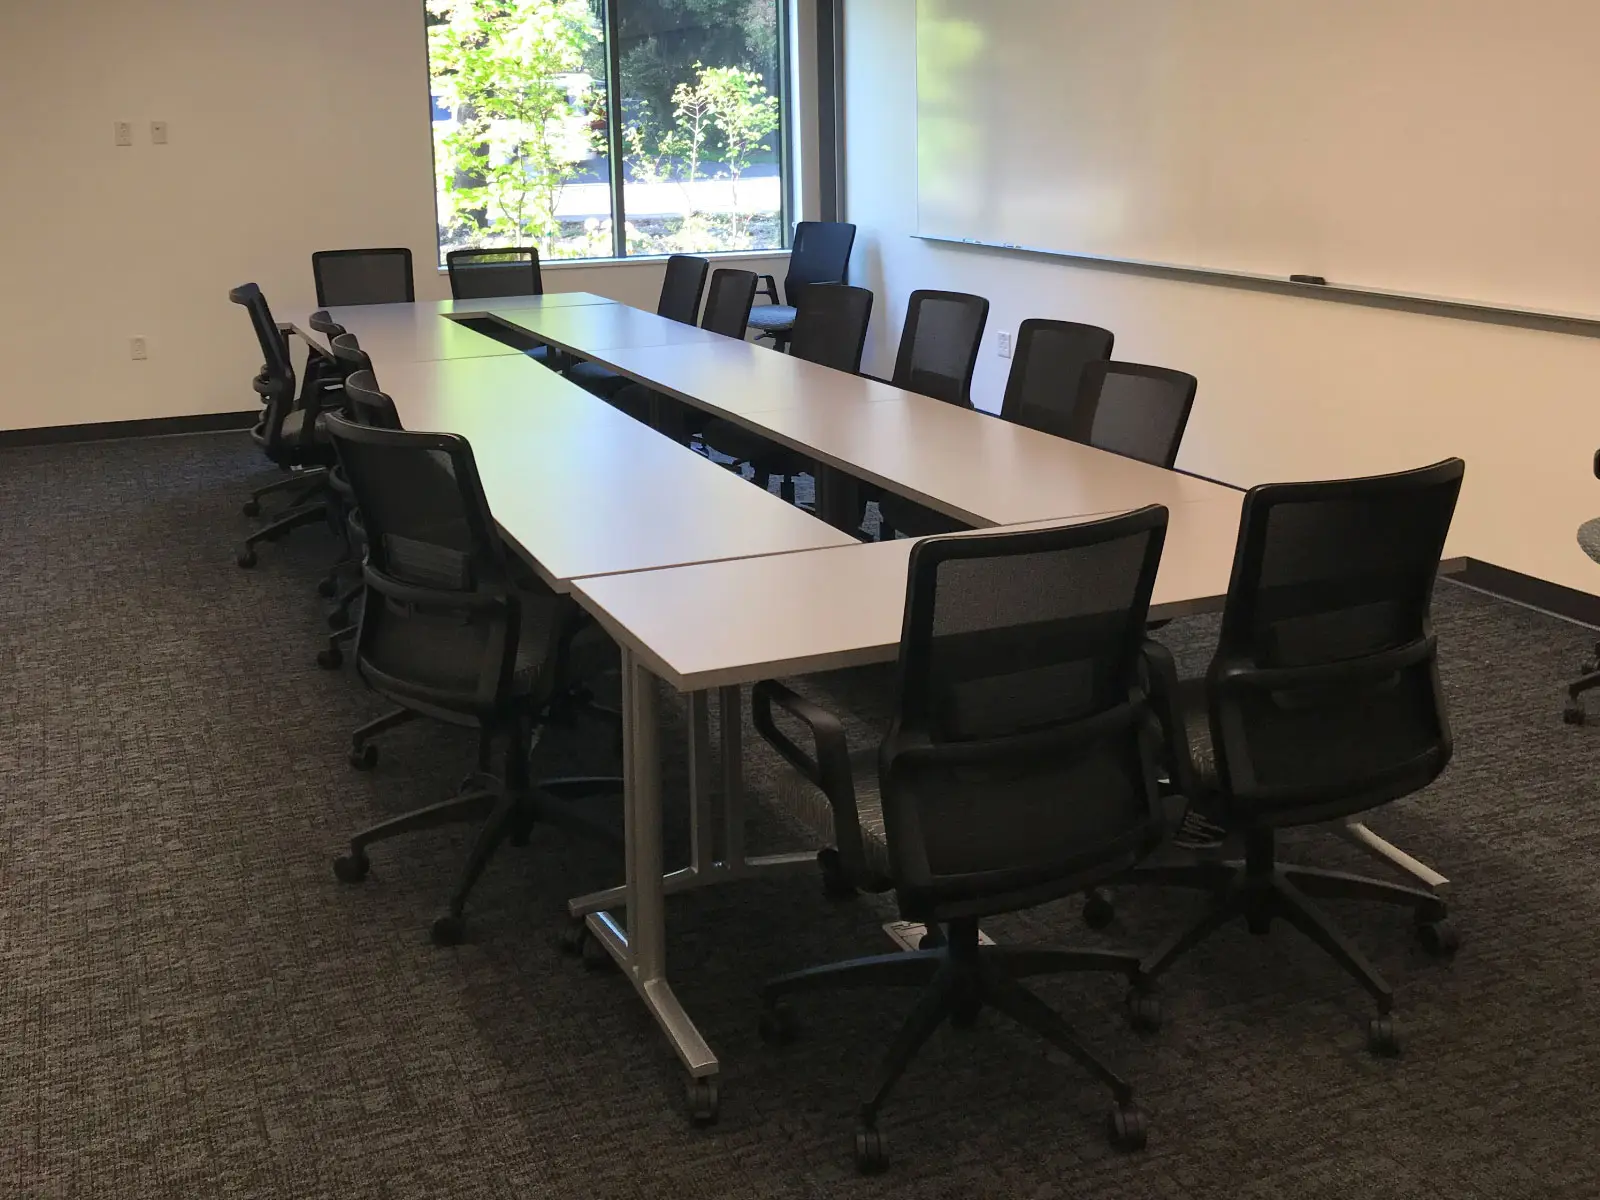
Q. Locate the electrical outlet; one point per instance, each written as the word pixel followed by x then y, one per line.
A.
pixel 139 349
pixel 158 133
pixel 124 132
pixel 1004 345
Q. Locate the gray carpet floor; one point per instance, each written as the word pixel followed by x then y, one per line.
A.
pixel 192 1006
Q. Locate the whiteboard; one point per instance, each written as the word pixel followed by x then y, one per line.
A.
pixel 1441 148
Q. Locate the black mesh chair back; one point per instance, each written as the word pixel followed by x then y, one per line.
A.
pixel 367 404
pixel 682 287
pixel 1324 693
pixel 830 325
pixel 440 622
pixel 275 383
pixel 376 276
pixel 1023 753
pixel 728 302
pixel 481 274
pixel 1134 410
pixel 1047 372
pixel 820 254
pixel 939 345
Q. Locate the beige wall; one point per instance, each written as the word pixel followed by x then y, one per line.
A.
pixel 1289 388
pixel 295 125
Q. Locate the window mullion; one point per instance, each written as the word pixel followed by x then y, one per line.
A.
pixel 614 139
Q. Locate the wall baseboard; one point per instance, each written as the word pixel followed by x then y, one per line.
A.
pixel 1555 598
pixel 99 431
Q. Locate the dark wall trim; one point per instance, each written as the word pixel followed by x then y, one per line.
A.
pixel 1534 592
pixel 99 431
pixel 830 187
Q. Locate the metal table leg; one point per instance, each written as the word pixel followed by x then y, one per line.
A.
pixel 640 947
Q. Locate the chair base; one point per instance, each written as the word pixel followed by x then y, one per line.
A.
pixel 310 481
pixel 1575 714
pixel 294 518
pixel 1261 890
pixel 958 979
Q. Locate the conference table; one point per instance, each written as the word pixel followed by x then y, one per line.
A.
pixel 708 584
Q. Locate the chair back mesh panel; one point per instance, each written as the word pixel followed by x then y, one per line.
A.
pixel 1047 372
pixel 820 254
pixel 482 274
pixel 728 302
pixel 439 624
pixel 377 276
pixel 1133 410
pixel 830 325
pixel 682 287
pixel 1022 753
pixel 939 345
pixel 275 383
pixel 1324 693
pixel 367 405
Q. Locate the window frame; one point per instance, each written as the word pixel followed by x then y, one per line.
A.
pixel 787 146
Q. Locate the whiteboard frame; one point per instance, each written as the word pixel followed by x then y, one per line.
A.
pixel 1548 320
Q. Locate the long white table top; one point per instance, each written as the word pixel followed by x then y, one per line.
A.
pixel 404 333
pixel 591 329
pixel 579 488
pixel 736 622
pixel 969 465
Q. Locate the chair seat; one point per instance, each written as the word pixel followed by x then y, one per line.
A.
pixel 772 318
pixel 805 804
pixel 743 446
pixel 592 377
pixel 1589 538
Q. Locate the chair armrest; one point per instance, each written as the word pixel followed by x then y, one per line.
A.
pixel 829 770
pixel 1161 677
pixel 768 286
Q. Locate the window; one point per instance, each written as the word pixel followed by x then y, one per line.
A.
pixel 600 128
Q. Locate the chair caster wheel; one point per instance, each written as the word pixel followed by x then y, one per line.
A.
pixel 1439 938
pixel 1127 1128
pixel 836 881
pixel 1144 1010
pixel 932 938
pixel 574 936
pixel 364 758
pixel 595 956
pixel 449 930
pixel 251 508
pixel 327 586
pixel 351 868
pixel 705 1100
pixel 778 1026
pixel 1383 1037
pixel 1573 714
pixel 247 558
pixel 330 659
pixel 1097 909
pixel 872 1151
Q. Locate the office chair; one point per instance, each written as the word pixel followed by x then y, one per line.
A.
pixel 830 328
pixel 448 631
pixel 286 433
pixel 1021 762
pixel 1589 541
pixel 484 274
pixel 1047 371
pixel 681 289
pixel 372 276
pixel 353 370
pixel 727 312
pixel 820 254
pixel 1322 701
pixel 1133 410
pixel 937 356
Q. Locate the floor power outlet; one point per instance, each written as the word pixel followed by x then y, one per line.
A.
pixel 907 935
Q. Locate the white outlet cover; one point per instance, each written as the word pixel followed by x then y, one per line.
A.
pixel 123 131
pixel 1004 345
pixel 139 348
pixel 158 133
